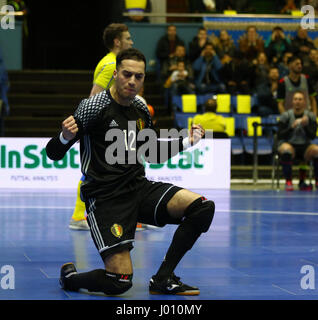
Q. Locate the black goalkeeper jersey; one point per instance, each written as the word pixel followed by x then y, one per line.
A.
pixel 103 124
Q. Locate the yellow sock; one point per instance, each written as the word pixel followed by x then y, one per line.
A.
pixel 79 210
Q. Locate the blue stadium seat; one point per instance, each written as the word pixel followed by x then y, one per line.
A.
pixel 264 144
pixel 181 119
pixel 236 146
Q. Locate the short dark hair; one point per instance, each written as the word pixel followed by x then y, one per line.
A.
pixel 131 54
pixel 112 32
pixel 293 58
pixel 210 105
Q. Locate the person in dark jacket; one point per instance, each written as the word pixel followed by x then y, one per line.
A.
pixel 167 44
pixel 206 72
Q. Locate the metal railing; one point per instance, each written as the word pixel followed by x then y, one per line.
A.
pixel 208 15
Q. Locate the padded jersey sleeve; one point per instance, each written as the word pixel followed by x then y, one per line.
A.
pixel 89 110
pixel 86 116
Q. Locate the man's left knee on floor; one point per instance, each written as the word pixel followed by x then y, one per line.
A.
pixel 200 213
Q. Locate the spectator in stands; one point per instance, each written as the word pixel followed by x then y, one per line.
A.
pixel 283 66
pixel 206 72
pixel 210 120
pixel 312 68
pixel 297 128
pixel 277 45
pixel 224 45
pixel 237 74
pixel 166 46
pixel 170 64
pixel 261 68
pixel 266 92
pixel 197 44
pixel 181 82
pixel 251 43
pixel 302 44
pixel 289 6
pixel 295 81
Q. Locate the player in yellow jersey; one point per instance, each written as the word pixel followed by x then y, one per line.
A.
pixel 116 37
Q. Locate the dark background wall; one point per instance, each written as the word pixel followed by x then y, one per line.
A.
pixel 67 34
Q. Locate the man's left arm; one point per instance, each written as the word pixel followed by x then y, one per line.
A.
pixel 167 149
pixel 310 126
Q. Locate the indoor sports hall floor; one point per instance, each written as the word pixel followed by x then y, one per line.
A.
pixel 256 248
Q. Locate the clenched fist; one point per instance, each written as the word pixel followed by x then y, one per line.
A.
pixel 69 128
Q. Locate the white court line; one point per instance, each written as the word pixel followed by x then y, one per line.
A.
pixel 294 196
pixel 290 292
pixel 36 207
pixel 27 257
pixel 45 274
pixel 32 195
pixel 309 261
pixel 269 212
pixel 218 210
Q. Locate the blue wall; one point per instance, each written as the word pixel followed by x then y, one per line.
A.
pixel 11 46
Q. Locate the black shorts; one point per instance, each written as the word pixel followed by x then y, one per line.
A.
pixel 113 221
pixel 300 150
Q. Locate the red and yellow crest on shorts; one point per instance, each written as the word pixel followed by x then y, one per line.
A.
pixel 140 124
pixel 117 230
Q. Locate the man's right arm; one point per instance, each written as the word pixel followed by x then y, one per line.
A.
pixel 59 145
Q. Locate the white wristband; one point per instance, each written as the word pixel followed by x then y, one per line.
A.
pixel 62 139
pixel 186 143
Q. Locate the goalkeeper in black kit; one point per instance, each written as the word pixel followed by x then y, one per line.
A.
pixel 115 190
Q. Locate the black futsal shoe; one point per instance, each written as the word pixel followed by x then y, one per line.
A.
pixel 172 285
pixel 67 270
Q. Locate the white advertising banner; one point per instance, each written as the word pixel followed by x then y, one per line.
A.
pixel 24 164
pixel 207 165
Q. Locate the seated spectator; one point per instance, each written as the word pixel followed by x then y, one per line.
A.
pixel 261 68
pixel 210 120
pixel 289 6
pixel 297 128
pixel 251 43
pixel 312 68
pixel 266 93
pixel 206 72
pixel 301 44
pixel 224 45
pixel 295 81
pixel 277 45
pixel 167 44
pixel 237 75
pixel 283 66
pixel 170 64
pixel 181 83
pixel 197 44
